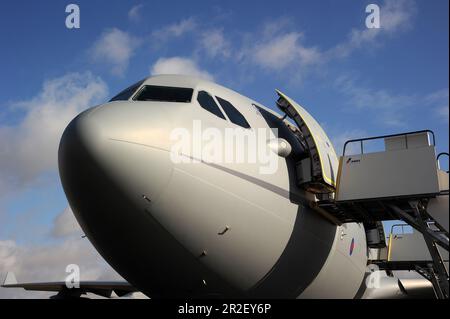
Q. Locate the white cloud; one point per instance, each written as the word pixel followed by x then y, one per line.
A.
pixel 279 46
pixel 278 52
pixel 365 98
pixel 395 16
pixel 135 13
pixel 213 42
pixel 65 224
pixel 43 263
pixel 176 29
pixel 29 148
pixel 179 65
pixel 386 105
pixel 392 109
pixel 439 96
pixel 7 257
pixel 341 137
pixel 439 102
pixel 47 262
pixel 116 48
pixel 283 50
pixel 443 113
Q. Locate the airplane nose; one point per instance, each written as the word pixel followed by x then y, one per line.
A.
pixel 104 171
pixel 113 175
pixel 77 161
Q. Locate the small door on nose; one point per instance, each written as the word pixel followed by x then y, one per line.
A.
pixel 318 172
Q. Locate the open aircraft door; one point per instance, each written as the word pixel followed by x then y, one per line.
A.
pixel 317 173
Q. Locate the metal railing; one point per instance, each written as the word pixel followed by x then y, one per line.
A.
pixel 402 226
pixel 439 155
pixel 362 140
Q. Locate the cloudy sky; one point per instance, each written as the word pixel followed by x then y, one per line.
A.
pixel 355 81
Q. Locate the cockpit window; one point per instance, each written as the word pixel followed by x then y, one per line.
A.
pixel 164 94
pixel 207 102
pixel 127 93
pixel 233 114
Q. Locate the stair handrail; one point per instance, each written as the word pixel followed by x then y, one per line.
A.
pixel 361 140
pixel 439 155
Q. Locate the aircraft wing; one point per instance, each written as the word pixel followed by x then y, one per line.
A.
pixel 105 289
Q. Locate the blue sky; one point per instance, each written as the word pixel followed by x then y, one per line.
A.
pixel 356 82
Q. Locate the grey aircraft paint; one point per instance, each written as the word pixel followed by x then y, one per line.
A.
pixel 206 229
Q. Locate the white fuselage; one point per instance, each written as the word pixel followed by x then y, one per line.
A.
pixel 205 228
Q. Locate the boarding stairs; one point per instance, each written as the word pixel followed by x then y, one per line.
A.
pixel 403 181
